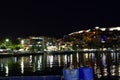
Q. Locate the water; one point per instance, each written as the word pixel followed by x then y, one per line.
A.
pixel 33 65
pixel 105 64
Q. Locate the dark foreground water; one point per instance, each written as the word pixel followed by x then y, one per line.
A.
pixel 32 65
pixel 105 65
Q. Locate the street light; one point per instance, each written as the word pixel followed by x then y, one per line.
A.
pixel 22 42
pixel 7 40
pixel 7 44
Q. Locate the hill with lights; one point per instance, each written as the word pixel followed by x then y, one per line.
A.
pixel 95 38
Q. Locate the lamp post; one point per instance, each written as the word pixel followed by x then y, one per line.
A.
pixel 7 42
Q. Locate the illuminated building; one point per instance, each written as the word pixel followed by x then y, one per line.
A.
pixel 94 38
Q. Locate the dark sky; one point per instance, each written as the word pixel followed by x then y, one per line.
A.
pixel 52 18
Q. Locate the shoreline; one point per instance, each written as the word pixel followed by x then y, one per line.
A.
pixel 48 52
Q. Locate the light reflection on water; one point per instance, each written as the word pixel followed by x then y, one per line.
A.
pixel 53 64
pixel 22 65
pixel 32 64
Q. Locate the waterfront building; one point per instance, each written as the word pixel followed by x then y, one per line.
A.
pixel 40 43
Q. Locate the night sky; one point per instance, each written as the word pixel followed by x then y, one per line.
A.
pixel 55 19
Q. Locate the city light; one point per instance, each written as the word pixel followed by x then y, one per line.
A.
pixel 22 42
pixel 7 40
